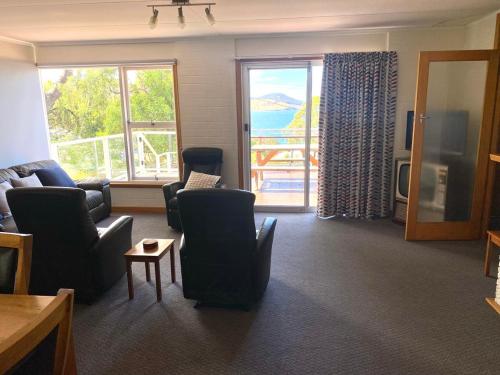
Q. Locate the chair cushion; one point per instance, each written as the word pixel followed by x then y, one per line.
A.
pixel 201 181
pixel 30 181
pixel 172 203
pixel 55 176
pixel 94 198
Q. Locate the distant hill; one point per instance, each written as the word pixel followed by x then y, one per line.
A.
pixel 274 102
pixel 281 98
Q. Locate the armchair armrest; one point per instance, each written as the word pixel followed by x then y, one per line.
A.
pixel 114 241
pixel 98 185
pixel 170 190
pixel 262 265
pixel 266 233
pixel 123 225
pixel 220 185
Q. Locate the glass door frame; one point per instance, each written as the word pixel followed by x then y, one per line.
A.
pixel 246 127
pixel 451 230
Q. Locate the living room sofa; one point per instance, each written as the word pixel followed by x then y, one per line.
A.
pixel 97 192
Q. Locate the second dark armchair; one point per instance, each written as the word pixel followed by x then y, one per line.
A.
pixel 223 259
pixel 206 160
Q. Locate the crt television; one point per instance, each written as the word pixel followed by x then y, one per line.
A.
pixel 433 184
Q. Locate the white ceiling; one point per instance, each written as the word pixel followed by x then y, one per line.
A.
pixel 81 20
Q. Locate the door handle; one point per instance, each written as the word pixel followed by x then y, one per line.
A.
pixel 423 117
pixel 246 127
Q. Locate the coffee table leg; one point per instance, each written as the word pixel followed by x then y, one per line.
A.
pixel 172 264
pixel 158 280
pixel 129 279
pixel 148 272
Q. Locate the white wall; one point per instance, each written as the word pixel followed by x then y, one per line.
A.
pixel 481 33
pixel 207 84
pixel 23 135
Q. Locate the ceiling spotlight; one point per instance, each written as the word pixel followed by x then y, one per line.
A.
pixel 180 18
pixel 179 4
pixel 210 16
pixel 154 19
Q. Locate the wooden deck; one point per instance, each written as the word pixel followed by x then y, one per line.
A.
pixel 283 188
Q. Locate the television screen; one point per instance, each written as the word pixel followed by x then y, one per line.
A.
pixel 404 179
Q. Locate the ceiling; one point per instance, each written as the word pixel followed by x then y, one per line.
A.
pixel 83 20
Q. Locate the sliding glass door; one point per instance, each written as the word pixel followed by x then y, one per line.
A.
pixel 281 106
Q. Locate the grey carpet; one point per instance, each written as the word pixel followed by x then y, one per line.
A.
pixel 345 297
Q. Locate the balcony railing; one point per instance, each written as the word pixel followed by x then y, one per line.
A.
pixel 155 156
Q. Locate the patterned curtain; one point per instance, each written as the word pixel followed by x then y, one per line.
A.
pixel 356 134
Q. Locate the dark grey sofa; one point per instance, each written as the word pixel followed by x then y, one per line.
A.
pixel 98 194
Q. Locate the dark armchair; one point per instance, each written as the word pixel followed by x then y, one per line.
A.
pixel 68 249
pixel 206 160
pixel 223 259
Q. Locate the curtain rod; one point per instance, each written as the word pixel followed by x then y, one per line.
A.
pixel 281 57
pixel 107 63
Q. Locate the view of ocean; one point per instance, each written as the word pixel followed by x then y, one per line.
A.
pixel 263 121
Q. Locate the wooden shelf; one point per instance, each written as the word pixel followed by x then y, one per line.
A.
pixel 492 303
pixel 495 158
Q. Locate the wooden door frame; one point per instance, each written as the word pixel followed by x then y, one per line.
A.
pixel 464 230
pixel 493 178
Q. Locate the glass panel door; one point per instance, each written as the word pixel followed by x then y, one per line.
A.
pixel 452 133
pixel 281 116
pixel 278 120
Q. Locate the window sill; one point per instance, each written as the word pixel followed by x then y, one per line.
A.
pixel 138 184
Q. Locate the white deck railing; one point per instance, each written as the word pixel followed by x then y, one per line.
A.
pixel 105 156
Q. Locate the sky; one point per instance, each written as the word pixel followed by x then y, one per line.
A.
pixel 289 81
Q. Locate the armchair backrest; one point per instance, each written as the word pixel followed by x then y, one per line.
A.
pixel 218 224
pixel 63 233
pixel 24 170
pixel 206 160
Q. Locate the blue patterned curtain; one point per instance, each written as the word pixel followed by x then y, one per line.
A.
pixel 356 134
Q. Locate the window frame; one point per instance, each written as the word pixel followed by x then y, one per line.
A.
pixel 127 124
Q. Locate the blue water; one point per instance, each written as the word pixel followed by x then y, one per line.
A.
pixel 263 122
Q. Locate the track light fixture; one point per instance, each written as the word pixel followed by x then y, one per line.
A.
pixel 180 18
pixel 210 16
pixel 154 18
pixel 153 21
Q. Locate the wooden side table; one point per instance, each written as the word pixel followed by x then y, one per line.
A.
pixel 138 254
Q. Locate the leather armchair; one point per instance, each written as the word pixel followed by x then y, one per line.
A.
pixel 68 250
pixel 206 160
pixel 223 259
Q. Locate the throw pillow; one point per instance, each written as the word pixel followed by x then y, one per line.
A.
pixel 201 181
pixel 4 206
pixel 30 181
pixel 54 177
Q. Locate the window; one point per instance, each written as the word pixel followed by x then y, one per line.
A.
pixel 113 122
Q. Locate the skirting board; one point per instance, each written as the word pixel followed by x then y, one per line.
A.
pixel 152 210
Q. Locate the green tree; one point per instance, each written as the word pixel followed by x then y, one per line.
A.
pixel 151 96
pixel 84 103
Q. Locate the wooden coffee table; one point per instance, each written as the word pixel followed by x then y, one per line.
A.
pixel 138 254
